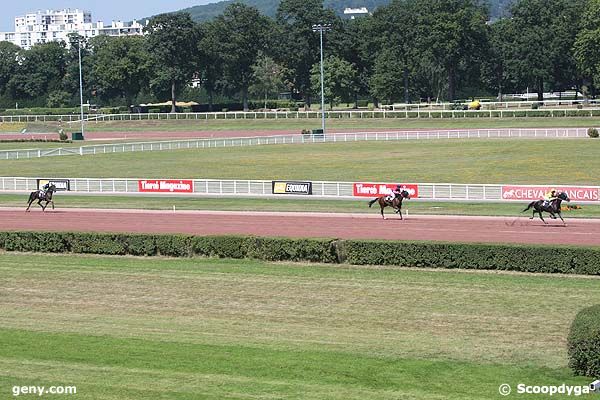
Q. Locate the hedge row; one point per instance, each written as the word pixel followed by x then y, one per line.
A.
pixel 567 260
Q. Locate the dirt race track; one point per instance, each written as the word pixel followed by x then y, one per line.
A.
pixel 345 226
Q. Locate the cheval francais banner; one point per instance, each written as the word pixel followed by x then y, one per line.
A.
pixel 575 193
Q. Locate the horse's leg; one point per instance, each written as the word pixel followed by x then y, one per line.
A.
pixel 541 217
pixel 400 212
pixel 561 218
pixel 382 216
pixel 52 201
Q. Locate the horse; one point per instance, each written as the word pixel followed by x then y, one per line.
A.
pixel 40 195
pixel 395 203
pixel 552 208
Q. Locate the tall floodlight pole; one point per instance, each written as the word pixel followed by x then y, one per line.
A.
pixel 321 28
pixel 80 83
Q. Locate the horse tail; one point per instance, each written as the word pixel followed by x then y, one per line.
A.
pixel 372 201
pixel 31 197
pixel 529 206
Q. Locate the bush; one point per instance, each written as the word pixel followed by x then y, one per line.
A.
pixel 535 106
pixel 592 132
pixel 568 260
pixel 62 136
pixel 583 342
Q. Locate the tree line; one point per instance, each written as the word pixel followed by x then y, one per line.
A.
pixel 406 51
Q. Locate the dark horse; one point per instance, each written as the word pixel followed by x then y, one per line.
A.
pixel 395 203
pixel 40 196
pixel 553 208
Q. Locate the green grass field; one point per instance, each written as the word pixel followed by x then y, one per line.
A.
pixel 304 123
pixel 413 207
pixel 368 123
pixel 456 161
pixel 135 328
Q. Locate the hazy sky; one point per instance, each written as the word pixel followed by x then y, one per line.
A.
pixel 102 10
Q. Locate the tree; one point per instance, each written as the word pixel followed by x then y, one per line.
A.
pixel 209 65
pixel 172 41
pixel 299 45
pixel 394 32
pixel 120 66
pixel 542 50
pixel 339 79
pixel 240 31
pixel 587 44
pixel 387 81
pixel 451 33
pixel 496 71
pixel 267 76
pixel 41 70
pixel 9 54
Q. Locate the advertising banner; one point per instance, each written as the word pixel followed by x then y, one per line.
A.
pixel 575 193
pixel 61 184
pixel 382 189
pixel 292 187
pixel 166 186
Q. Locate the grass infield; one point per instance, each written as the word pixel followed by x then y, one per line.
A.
pixel 457 161
pixel 134 328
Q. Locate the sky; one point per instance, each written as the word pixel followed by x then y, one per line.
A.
pixel 102 10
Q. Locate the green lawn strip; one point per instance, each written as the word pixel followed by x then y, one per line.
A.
pixel 413 207
pixel 332 123
pixel 127 368
pixel 203 328
pixel 450 161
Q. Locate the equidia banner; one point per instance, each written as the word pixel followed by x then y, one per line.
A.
pixel 292 187
pixel 382 189
pixel 61 184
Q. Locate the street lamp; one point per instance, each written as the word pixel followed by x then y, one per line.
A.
pixel 322 28
pixel 79 39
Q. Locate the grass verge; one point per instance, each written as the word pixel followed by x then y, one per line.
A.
pixel 132 328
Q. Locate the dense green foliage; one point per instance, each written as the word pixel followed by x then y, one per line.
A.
pixel 567 260
pixel 497 8
pixel 584 342
pixel 405 51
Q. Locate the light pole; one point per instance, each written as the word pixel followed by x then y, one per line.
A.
pixel 80 83
pixel 79 39
pixel 322 28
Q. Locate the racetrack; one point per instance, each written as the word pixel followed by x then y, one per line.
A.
pixel 345 226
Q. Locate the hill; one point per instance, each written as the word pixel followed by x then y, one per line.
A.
pixel 498 8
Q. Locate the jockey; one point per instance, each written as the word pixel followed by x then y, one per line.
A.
pixel 395 193
pixel 42 193
pixel 548 197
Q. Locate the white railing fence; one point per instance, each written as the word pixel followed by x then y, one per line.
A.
pixel 550 133
pixel 410 111
pixel 263 188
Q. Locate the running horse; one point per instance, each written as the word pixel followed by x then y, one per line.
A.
pixel 395 203
pixel 40 196
pixel 553 208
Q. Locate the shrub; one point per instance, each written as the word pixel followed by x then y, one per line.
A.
pixel 583 342
pixel 535 106
pixel 62 136
pixel 592 132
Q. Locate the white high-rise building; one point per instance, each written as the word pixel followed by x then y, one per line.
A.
pixel 52 26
